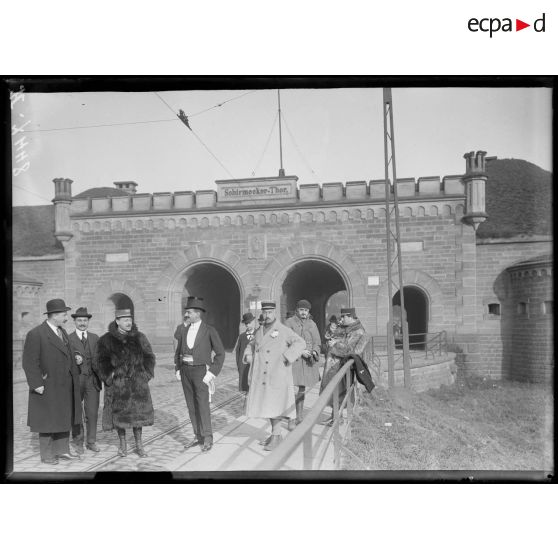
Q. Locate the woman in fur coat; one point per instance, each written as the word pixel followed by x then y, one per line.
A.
pixel 126 364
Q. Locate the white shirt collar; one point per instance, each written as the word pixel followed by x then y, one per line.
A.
pixel 54 328
pixel 194 326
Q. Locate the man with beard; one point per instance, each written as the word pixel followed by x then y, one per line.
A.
pixel 350 338
pixel 271 353
pixel 126 365
pixel 53 378
pixel 84 346
pixel 305 369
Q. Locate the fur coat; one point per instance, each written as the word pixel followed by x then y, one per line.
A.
pixel 126 364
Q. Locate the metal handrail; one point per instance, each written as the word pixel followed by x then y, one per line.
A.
pixel 303 432
pixel 427 342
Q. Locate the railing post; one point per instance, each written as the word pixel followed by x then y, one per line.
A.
pixel 350 388
pixel 307 451
pixel 336 441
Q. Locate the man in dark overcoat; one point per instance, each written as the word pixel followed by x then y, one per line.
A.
pixel 249 321
pixel 84 347
pixel 126 364
pixel 196 368
pixel 306 368
pixel 53 379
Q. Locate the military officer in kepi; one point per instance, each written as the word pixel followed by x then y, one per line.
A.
pixel 196 368
pixel 126 365
pixel 306 370
pixel 270 355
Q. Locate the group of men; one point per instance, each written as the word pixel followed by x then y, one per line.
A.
pixel 277 363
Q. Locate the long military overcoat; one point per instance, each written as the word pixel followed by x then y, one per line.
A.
pixel 48 362
pixel 306 370
pixel 271 380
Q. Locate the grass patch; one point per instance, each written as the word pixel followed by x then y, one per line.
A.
pixel 481 426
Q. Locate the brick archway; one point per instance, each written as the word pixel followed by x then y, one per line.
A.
pixel 109 288
pixel 412 278
pixel 275 272
pixel 171 281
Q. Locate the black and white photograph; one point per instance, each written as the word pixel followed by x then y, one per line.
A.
pixel 282 278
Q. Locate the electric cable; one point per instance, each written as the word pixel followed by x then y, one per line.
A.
pixel 296 146
pixel 266 145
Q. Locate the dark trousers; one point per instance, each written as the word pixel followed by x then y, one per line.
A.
pixel 53 444
pixel 90 403
pixel 196 394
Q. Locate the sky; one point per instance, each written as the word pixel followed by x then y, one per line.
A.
pixel 329 135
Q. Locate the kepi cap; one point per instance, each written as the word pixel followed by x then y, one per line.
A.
pixel 123 313
pixel 268 305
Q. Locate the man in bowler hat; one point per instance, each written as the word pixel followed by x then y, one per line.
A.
pixel 53 379
pixel 249 321
pixel 196 368
pixel 84 346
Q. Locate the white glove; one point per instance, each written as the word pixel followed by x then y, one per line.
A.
pixel 177 373
pixel 208 377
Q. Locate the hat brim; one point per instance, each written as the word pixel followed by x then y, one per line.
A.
pixel 194 308
pixel 89 316
pixel 57 310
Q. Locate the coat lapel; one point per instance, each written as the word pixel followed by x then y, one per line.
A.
pixel 55 340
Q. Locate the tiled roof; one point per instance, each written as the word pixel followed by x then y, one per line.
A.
pixel 518 199
pixel 33 231
pixel 104 191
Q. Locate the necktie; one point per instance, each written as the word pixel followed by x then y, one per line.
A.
pixel 61 335
pixel 83 339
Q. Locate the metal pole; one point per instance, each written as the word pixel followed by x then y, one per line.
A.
pixel 281 169
pixel 336 440
pixel 388 108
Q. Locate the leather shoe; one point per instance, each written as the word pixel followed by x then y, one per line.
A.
pixel 50 460
pixel 265 442
pixel 68 456
pixel 93 447
pixel 207 446
pixel 192 444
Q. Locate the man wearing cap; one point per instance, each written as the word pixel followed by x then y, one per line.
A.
pixel 244 339
pixel 53 378
pixel 305 369
pixel 84 346
pixel 271 353
pixel 350 338
pixel 126 364
pixel 196 368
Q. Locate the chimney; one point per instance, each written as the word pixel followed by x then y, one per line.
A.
pixel 127 186
pixel 475 185
pixel 62 201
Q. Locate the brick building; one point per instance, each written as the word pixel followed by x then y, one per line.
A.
pixel 270 238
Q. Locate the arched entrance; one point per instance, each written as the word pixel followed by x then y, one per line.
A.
pixel 416 305
pixel 116 301
pixel 319 283
pixel 221 295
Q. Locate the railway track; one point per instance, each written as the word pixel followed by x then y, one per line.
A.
pixel 151 439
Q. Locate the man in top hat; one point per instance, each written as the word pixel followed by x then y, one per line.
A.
pixel 84 345
pixel 181 327
pixel 271 353
pixel 53 378
pixel 305 369
pixel 196 368
pixel 249 321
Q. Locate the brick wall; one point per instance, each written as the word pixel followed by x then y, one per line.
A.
pixel 351 240
pixel 495 333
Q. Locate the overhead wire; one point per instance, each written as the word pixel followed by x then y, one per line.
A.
pixel 100 125
pixel 198 138
pixel 266 145
pixel 296 145
pixel 32 193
